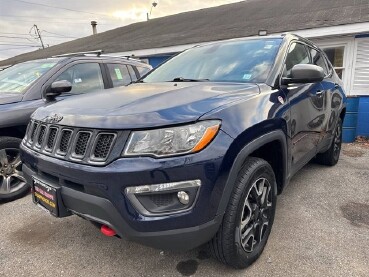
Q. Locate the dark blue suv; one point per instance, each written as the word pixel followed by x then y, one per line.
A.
pixel 195 152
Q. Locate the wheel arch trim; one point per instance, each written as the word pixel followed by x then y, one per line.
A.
pixel 249 148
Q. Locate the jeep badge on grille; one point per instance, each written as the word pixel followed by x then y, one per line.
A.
pixel 55 118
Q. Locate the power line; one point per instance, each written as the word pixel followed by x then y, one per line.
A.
pixel 42 20
pixel 61 22
pixel 60 35
pixel 15 48
pixel 61 8
pixel 49 17
pixel 56 36
pixel 10 44
pixel 14 34
pixel 16 42
pixel 13 37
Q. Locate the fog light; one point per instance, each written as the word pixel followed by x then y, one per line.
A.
pixel 164 198
pixel 183 197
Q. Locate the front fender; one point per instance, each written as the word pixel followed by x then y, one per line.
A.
pixel 249 148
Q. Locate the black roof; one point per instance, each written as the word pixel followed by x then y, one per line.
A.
pixel 240 19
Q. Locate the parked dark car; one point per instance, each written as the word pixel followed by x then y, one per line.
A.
pixel 27 86
pixel 194 153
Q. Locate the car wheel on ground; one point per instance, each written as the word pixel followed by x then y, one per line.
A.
pixel 249 217
pixel 332 155
pixel 12 183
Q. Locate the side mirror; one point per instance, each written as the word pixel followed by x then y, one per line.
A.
pixel 304 73
pixel 57 88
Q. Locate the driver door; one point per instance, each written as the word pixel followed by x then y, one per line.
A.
pixel 306 109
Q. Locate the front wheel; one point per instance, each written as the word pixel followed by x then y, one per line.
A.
pixel 12 183
pixel 249 217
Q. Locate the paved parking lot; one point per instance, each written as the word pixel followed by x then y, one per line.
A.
pixel 321 229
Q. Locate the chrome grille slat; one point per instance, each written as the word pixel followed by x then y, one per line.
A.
pixel 104 142
pixel 51 139
pixel 82 140
pixel 41 135
pixel 34 130
pixel 88 146
pixel 65 141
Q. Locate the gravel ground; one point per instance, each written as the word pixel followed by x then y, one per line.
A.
pixel 321 229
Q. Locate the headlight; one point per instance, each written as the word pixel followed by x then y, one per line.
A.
pixel 172 141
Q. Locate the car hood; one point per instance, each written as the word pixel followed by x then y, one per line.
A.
pixel 146 105
pixel 9 98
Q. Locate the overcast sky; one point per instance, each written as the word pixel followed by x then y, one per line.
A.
pixel 60 21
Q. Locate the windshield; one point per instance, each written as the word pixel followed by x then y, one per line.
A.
pixel 246 61
pixel 18 78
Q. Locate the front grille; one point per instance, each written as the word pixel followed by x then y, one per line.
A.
pixel 51 138
pixel 41 135
pixel 88 146
pixel 81 144
pixel 64 141
pixel 103 145
pixel 33 132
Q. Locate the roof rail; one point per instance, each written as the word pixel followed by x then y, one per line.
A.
pixel 96 52
pixel 122 57
pixel 130 58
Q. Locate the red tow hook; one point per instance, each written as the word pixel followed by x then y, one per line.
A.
pixel 107 231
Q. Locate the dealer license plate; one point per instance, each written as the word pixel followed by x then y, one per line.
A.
pixel 45 196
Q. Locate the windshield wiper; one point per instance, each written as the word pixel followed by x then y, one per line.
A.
pixel 181 79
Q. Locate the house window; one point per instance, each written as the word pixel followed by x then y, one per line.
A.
pixel 360 83
pixel 335 56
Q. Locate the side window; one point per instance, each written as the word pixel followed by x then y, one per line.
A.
pixel 84 77
pixel 297 54
pixel 132 72
pixel 318 59
pixel 119 74
pixel 142 70
pixel 336 56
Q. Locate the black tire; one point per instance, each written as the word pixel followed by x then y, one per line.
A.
pixel 332 155
pixel 9 148
pixel 227 245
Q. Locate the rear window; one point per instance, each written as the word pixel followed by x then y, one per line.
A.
pixel 119 75
pixel 142 70
pixel 132 72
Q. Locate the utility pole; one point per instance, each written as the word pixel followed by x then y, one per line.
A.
pixel 39 35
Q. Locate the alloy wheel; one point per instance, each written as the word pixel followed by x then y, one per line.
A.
pixel 11 175
pixel 256 214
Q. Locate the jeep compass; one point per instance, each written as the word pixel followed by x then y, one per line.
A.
pixel 195 152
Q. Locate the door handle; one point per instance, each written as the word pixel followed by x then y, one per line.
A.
pixel 336 85
pixel 319 93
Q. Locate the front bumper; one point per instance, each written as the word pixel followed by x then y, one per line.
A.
pixel 97 193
